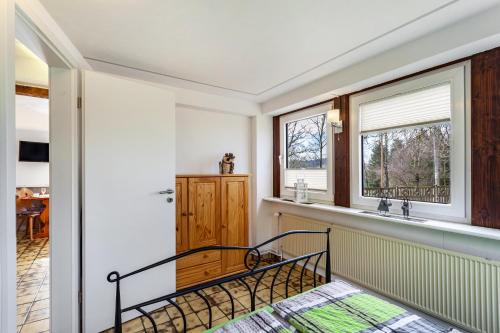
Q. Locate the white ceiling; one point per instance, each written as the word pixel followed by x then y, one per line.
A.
pixel 255 49
pixel 32 113
pixel 30 69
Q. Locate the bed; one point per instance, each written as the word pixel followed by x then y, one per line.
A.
pixel 336 306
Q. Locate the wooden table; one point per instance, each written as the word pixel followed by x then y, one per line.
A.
pixel 44 216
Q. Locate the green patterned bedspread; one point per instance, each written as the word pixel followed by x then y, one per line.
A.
pixel 333 308
pixel 262 320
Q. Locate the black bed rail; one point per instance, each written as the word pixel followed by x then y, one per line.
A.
pixel 253 271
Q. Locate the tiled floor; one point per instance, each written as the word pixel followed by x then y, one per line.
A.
pixel 32 285
pixel 168 318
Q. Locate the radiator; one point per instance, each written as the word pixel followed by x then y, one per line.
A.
pixel 457 288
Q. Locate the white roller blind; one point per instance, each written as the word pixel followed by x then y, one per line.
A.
pixel 428 105
pixel 316 179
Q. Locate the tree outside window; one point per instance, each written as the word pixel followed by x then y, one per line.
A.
pixel 306 151
pixel 411 162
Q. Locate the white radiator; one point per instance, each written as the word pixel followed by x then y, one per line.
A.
pixel 458 288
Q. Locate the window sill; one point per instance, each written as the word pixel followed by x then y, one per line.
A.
pixel 458 228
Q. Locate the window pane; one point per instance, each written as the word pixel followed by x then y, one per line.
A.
pixel 306 152
pixel 411 162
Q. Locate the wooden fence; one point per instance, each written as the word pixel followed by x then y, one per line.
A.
pixel 437 194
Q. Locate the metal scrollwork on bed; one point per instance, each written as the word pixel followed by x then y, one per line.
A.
pixel 253 270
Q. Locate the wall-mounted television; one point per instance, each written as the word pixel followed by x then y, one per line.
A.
pixel 33 151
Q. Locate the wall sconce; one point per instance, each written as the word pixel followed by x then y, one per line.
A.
pixel 333 117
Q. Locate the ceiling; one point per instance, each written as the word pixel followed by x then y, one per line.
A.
pixel 30 70
pixel 32 113
pixel 254 49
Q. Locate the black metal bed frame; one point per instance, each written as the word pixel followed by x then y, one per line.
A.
pixel 253 271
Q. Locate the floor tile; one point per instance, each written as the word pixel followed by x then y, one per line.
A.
pixel 133 326
pixel 20 318
pixel 204 315
pixel 42 296
pixel 26 299
pixel 38 315
pixel 192 321
pixel 33 286
pixel 23 308
pixel 40 305
pixel 159 317
pixel 36 326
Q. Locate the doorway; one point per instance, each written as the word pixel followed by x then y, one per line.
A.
pixel 32 192
pixel 26 22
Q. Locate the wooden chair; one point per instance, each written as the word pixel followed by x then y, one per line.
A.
pixel 29 211
pixel 24 192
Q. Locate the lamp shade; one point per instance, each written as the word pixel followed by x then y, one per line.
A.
pixel 333 116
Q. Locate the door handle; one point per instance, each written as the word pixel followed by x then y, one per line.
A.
pixel 167 191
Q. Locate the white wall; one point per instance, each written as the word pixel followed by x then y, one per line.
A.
pixel 202 138
pixel 32 124
pixel 262 180
pixel 31 174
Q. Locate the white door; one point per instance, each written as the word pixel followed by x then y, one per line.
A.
pixel 128 158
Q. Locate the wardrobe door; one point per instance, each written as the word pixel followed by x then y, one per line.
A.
pixel 234 221
pixel 181 215
pixel 204 211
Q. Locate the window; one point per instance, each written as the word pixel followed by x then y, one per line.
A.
pixel 408 141
pixel 406 146
pixel 306 147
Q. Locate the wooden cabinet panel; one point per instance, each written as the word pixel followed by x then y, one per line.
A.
pixel 181 214
pixel 204 211
pixel 192 275
pixel 198 258
pixel 234 203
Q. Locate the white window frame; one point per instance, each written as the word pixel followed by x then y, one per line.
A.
pixel 458 76
pixel 314 195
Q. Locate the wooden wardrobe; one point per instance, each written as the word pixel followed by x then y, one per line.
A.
pixel 211 210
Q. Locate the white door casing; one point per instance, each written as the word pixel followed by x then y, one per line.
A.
pixel 7 169
pixel 128 157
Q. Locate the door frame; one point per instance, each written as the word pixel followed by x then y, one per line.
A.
pixel 28 21
pixel 7 169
